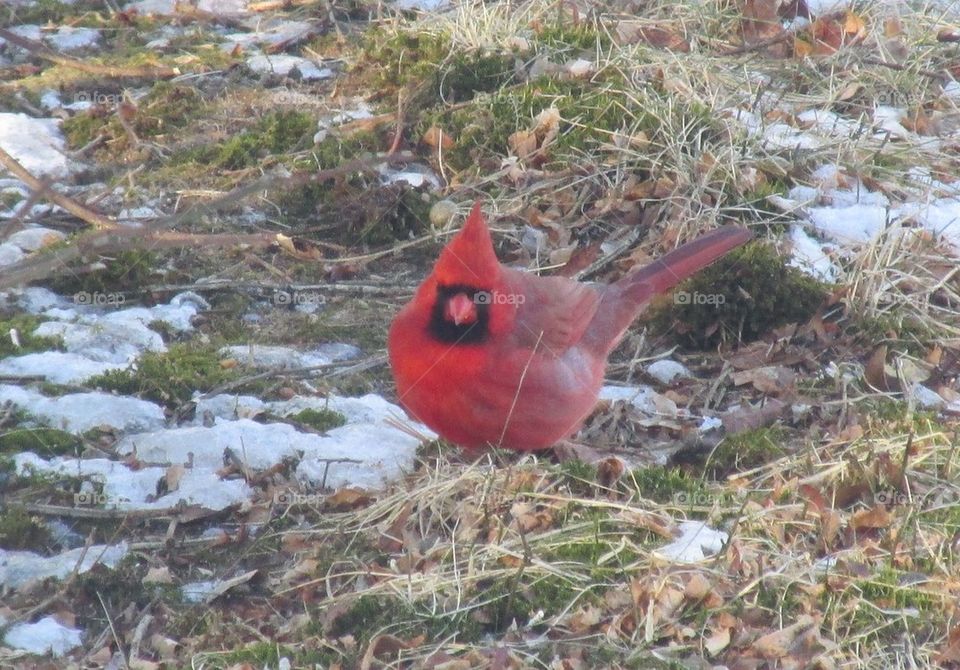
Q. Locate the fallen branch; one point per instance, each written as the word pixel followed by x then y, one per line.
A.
pixel 41 188
pixel 46 53
pixel 112 237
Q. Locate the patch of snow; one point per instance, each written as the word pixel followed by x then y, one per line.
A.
pixel 10 254
pixel 927 398
pixel 830 123
pixel 888 121
pixel 415 175
pixel 371 452
pixel 35 238
pixel 821 7
pixel 197 592
pixel 362 111
pixel 696 542
pixel 79 412
pixel 157 7
pixel 33 299
pixel 137 214
pixel 643 398
pixel 56 366
pixel 282 358
pixel 18 568
pixel 98 341
pixel 28 30
pixel 852 224
pixel 284 64
pixel 127 489
pixel 666 371
pixel 37 144
pixel 69 38
pixel 46 636
pixel 710 423
pixel 50 99
pixel 224 7
pixel 421 5
pixel 808 256
pixel 268 34
pixel 940 216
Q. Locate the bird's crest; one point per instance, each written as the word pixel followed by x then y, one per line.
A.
pixel 468 259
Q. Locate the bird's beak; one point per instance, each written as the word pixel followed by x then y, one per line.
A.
pixel 461 309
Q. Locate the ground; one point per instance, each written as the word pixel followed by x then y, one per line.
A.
pixel 811 431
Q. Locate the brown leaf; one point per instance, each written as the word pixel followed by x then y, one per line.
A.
pixel 875 370
pixel 609 470
pixel 383 648
pixel 779 643
pixel 347 499
pixel 748 418
pixel 435 137
pixel 875 517
pixel 771 379
pixel 948 35
pixel 717 642
pixel 659 37
pixel 760 21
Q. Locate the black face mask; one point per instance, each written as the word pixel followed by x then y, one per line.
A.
pixel 467 333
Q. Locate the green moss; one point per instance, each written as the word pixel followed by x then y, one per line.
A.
pixel 45 442
pixel 743 295
pixel 276 133
pixel 890 589
pixel 19 530
pixel 170 377
pixel 268 655
pixel 320 419
pixel 665 484
pixel 125 271
pixel 430 67
pixel 10 199
pixel 590 113
pixel 166 108
pixel 569 39
pixel 746 450
pixel 24 325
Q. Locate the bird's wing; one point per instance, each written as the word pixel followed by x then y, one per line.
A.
pixel 554 313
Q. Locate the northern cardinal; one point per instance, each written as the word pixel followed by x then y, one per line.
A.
pixel 488 355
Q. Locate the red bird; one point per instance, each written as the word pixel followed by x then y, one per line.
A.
pixel 487 355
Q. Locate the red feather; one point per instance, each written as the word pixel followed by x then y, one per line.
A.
pixel 488 355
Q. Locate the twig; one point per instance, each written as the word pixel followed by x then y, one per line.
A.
pixel 46 53
pixel 763 44
pixel 113 237
pixel 38 186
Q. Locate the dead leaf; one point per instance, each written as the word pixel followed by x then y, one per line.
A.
pixel 875 370
pixel 717 642
pixel 436 138
pixel 384 649
pixel 875 517
pixel 771 379
pixel 779 643
pixel 659 37
pixel 347 499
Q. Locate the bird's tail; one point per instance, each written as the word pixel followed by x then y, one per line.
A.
pixel 623 301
